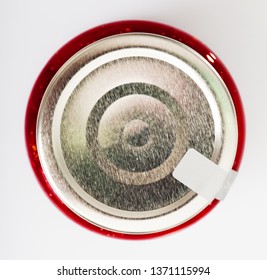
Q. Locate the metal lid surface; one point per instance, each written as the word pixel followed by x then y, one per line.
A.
pixel 116 119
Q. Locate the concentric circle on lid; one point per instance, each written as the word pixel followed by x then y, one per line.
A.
pixel 116 119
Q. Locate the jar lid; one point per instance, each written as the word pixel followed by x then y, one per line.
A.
pixel 113 119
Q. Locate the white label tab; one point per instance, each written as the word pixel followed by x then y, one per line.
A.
pixel 203 176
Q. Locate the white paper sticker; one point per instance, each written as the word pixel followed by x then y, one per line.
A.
pixel 203 176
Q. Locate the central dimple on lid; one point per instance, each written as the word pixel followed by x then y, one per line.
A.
pixel 136 133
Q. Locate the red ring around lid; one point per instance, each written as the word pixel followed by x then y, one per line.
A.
pixel 86 38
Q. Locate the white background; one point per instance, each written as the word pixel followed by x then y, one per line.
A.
pixel 31 227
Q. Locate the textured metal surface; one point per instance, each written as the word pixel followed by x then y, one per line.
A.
pixel 116 120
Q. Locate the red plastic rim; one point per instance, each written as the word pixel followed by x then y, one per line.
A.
pixel 87 38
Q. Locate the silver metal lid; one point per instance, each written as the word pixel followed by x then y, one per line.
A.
pixel 116 120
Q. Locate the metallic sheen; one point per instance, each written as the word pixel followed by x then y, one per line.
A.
pixel 116 120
